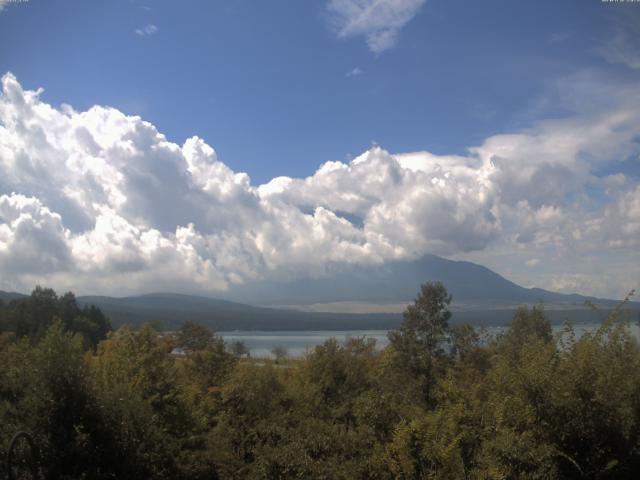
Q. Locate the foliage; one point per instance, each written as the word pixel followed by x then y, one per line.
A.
pixel 193 337
pixel 238 348
pixel 279 352
pixel 31 316
pixel 438 403
pixel 419 341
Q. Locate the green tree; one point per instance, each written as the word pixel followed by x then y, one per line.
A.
pixel 253 400
pixel 238 348
pixel 46 390
pixel 464 340
pixel 527 325
pixel 89 321
pixel 194 336
pixel 419 341
pixel 279 352
pixel 208 361
pixel 142 394
pixel 32 316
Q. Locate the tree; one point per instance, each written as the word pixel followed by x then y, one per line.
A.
pixel 464 340
pixel 46 391
pixel 525 327
pixel 238 348
pixel 280 352
pixel 193 337
pixel 207 360
pixel 424 329
pixel 89 321
pixel 137 383
pixel 99 324
pixel 32 316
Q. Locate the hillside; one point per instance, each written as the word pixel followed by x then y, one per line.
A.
pixel 480 297
pixel 171 310
pixel 8 296
pixel 469 283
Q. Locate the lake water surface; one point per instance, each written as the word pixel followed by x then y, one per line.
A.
pixel 260 343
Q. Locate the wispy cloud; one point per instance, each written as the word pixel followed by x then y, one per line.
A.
pixel 533 262
pixel 621 49
pixel 355 72
pixel 623 46
pixel 379 21
pixel 558 37
pixel 150 29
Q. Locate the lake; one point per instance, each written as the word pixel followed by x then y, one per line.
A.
pixel 297 342
pixel 260 343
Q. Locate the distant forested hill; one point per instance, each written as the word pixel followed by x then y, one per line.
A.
pixel 6 297
pixel 480 297
pixel 172 310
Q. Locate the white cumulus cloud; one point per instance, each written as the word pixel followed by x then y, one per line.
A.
pixel 101 202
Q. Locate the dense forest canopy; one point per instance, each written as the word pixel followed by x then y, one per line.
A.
pixel 33 315
pixel 439 402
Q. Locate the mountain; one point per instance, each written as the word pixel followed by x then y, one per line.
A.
pixel 171 310
pixel 480 297
pixel 6 297
pixel 398 282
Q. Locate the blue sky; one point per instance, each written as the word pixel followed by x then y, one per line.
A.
pixel 154 145
pixel 267 83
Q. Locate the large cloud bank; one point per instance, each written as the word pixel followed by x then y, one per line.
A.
pixel 101 202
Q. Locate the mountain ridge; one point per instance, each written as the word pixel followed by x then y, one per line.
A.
pixel 399 281
pixel 480 296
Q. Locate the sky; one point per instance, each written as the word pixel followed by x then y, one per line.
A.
pixel 154 145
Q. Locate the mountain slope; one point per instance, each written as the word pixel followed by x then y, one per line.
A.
pixel 469 283
pixel 171 310
pixel 480 297
pixel 6 297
